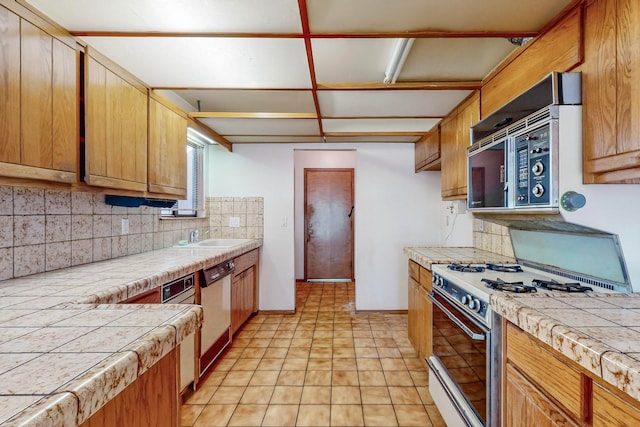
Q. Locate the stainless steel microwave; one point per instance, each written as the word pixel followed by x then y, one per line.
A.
pixel 516 169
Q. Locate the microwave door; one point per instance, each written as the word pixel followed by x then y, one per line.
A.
pixel 488 177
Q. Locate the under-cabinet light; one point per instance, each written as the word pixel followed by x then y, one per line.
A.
pixel 401 50
pixel 199 137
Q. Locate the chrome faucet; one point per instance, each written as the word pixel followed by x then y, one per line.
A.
pixel 193 236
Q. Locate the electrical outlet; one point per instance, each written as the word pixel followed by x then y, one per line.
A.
pixel 125 226
pixel 234 221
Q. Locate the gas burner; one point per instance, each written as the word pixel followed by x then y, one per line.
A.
pixel 501 285
pixel 466 268
pixel 511 268
pixel 552 285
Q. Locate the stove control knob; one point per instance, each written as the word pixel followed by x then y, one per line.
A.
pixel 538 190
pixel 537 168
pixel 466 299
pixel 440 282
pixel 475 305
pixel 434 279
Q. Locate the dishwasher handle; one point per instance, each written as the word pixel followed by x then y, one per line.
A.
pixel 217 272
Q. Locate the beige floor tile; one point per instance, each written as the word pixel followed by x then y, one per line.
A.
pixel 189 414
pixel 413 364
pixel 275 353
pixel 393 364
pixel 420 378
pixel 371 378
pixel 318 364
pixel 344 352
pixel 317 378
pixel 303 334
pixel 248 415
pixel 246 365
pixel 259 342
pixel 389 352
pixel 344 364
pixel 343 333
pixel 280 342
pixel 398 378
pixel 362 333
pixel 322 342
pixel 346 415
pixel 234 353
pixel 375 395
pixel 227 395
pixel 435 416
pixel 264 378
pixel 291 378
pixel 343 342
pixel 265 334
pixel 384 342
pixel 379 415
pixel 257 395
pixel 239 378
pixel 370 364
pixel 286 395
pixel 298 352
pixel 404 396
pixel 301 342
pixel 321 352
pixel 291 364
pixel 366 352
pixel 215 415
pixel 202 395
pixel 280 416
pixel 212 378
pixel 344 395
pixel 314 415
pixel 225 365
pixel 412 415
pixel 349 378
pixel 285 332
pixel 270 364
pixel 319 333
pixel 316 395
pixel 252 353
pixel 424 394
pixel 363 342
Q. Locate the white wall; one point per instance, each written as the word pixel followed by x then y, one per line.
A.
pixel 614 208
pixel 312 159
pixel 395 208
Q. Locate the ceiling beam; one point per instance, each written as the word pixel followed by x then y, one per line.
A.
pixel 252 115
pixel 304 20
pixel 432 85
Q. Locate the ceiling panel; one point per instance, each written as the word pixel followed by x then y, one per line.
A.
pixel 454 59
pixel 273 101
pixel 379 103
pixel 378 125
pixel 210 62
pixel 351 60
pixel 340 16
pixel 226 126
pixel 373 138
pixel 274 139
pixel 174 15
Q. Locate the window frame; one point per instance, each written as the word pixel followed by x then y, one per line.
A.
pixel 195 186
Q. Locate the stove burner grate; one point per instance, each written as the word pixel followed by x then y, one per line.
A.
pixel 466 268
pixel 501 285
pixel 553 285
pixel 511 268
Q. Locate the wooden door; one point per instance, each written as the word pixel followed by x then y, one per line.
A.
pixel 328 223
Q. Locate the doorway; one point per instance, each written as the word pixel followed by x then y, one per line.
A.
pixel 328 224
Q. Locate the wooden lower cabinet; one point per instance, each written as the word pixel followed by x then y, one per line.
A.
pixel 151 400
pixel 149 297
pixel 419 313
pixel 541 387
pixel 244 288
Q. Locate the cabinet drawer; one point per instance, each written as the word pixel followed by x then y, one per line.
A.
pixel 554 377
pixel 246 260
pixel 414 270
pixel 425 278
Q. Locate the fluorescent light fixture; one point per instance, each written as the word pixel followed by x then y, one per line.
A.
pixel 401 50
pixel 199 137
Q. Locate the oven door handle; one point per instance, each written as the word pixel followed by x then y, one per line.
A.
pixel 458 322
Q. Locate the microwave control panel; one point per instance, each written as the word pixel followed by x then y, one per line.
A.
pixel 533 167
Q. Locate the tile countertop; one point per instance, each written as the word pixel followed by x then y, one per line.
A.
pixel 67 348
pixel 600 331
pixel 426 256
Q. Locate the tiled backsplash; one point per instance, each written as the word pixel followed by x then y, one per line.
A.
pixel 492 237
pixel 43 230
pixel 248 210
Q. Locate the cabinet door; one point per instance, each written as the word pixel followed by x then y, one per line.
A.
pixel 469 115
pixel 448 151
pixel 610 410
pixel 526 406
pixel 242 291
pixel 39 103
pixel 116 121
pixel 427 151
pixel 611 129
pixel 424 309
pixel 412 313
pixel 167 151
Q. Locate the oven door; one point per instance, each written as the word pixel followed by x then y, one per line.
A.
pixel 461 360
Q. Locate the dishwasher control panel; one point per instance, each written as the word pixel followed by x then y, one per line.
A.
pixel 171 289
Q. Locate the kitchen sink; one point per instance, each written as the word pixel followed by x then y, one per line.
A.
pixel 216 243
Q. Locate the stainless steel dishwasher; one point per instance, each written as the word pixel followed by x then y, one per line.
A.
pixel 182 291
pixel 215 298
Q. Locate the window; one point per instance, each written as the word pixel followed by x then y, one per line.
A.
pixel 194 204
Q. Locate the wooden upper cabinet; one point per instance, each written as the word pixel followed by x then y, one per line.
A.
pixel 39 102
pixel 611 80
pixel 167 150
pixel 455 137
pixel 116 127
pixel 427 151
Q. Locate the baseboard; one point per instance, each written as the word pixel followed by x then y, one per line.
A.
pixel 382 311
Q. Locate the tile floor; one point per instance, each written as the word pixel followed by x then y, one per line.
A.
pixel 325 365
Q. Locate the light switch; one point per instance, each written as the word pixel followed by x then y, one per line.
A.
pixel 234 221
pixel 125 226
